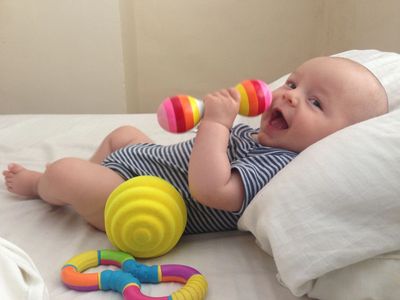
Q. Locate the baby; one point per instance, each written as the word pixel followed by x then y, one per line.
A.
pixel 220 171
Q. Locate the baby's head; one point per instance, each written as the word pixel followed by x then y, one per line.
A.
pixel 322 96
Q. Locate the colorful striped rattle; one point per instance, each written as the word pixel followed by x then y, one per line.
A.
pixel 127 281
pixel 181 113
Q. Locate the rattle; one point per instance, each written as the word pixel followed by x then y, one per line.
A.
pixel 127 281
pixel 181 113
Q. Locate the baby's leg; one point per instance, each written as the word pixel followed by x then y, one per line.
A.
pixel 69 181
pixel 85 185
pixel 117 139
pixel 82 184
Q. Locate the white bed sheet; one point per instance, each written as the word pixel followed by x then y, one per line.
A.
pixel 235 267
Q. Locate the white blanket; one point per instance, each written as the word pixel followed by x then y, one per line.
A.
pixel 233 265
pixel 19 278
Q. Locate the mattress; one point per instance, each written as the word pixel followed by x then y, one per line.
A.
pixel 234 266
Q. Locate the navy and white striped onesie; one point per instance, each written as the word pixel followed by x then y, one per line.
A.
pixel 255 163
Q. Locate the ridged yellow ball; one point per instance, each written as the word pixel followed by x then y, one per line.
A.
pixel 145 216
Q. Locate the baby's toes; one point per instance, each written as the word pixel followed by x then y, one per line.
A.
pixel 15 168
pixel 8 184
pixel 7 174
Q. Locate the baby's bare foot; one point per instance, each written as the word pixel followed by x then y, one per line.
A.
pixel 21 181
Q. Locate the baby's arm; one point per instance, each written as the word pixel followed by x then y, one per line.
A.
pixel 212 182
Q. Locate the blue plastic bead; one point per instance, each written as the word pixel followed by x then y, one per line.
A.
pixel 145 274
pixel 116 280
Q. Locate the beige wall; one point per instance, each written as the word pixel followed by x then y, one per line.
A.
pixel 102 56
pixel 199 46
pixel 61 57
pixel 361 24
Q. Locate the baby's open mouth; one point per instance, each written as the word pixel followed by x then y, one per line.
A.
pixel 278 120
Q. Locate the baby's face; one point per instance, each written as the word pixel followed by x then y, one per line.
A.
pixel 320 97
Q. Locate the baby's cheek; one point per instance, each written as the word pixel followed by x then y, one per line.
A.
pixel 264 117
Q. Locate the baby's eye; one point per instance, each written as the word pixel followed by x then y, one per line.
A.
pixel 290 84
pixel 316 102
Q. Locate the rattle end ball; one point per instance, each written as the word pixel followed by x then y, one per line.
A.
pixel 255 97
pixel 179 113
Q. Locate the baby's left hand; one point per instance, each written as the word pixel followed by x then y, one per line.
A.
pixel 222 106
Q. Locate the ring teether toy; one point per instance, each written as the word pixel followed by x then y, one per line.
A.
pixel 128 280
pixel 181 113
pixel 145 216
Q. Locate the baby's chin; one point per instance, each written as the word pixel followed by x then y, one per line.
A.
pixel 263 139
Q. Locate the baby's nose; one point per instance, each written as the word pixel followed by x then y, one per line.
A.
pixel 291 97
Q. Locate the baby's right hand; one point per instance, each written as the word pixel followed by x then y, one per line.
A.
pixel 222 106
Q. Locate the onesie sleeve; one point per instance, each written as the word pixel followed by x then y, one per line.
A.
pixel 257 169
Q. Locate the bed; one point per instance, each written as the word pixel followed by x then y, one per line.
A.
pixel 235 267
pixel 333 234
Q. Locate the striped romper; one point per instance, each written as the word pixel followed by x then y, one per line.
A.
pixel 255 163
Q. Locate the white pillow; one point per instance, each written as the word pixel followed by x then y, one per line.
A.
pixel 338 202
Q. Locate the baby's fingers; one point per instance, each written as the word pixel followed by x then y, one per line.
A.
pixel 233 93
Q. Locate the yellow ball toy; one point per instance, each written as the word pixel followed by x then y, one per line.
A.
pixel 145 216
